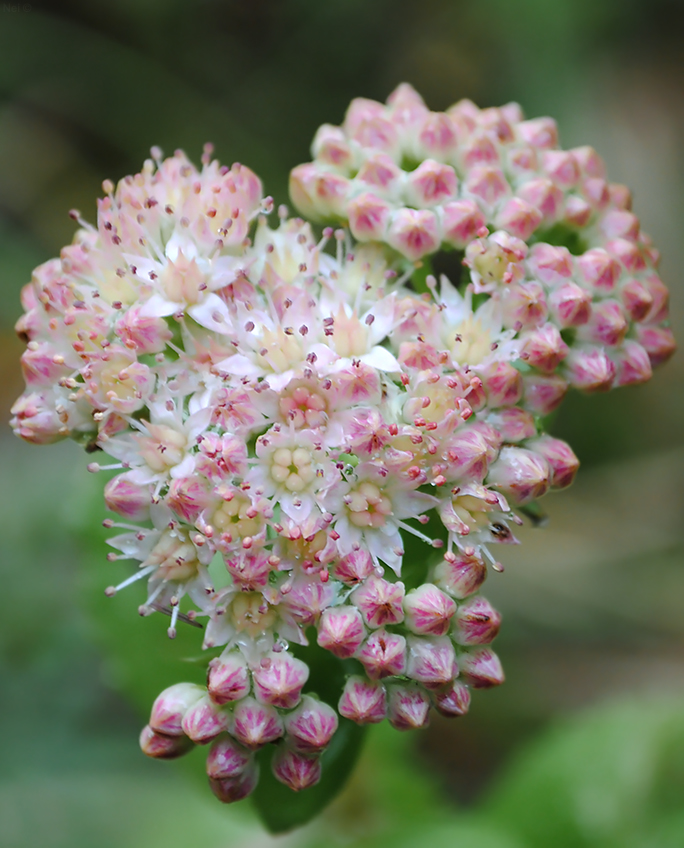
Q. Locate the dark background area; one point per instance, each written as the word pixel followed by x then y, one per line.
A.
pixel 593 604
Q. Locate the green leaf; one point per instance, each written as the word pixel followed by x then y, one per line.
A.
pixel 281 809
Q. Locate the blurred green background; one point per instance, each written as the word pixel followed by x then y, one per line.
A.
pixel 584 745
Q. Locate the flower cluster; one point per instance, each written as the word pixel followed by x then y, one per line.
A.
pixel 293 413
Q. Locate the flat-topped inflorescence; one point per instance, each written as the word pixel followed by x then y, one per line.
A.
pixel 291 415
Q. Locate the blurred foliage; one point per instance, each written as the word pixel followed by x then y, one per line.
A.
pixel 584 745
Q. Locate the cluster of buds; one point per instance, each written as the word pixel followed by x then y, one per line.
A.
pixel 288 412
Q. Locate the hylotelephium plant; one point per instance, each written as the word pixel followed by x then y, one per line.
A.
pixel 295 415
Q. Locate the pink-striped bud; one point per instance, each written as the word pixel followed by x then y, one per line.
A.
pixel 254 724
pixel 570 305
pixel 231 789
pixel 382 175
pixel 524 305
pixel 544 196
pixel 35 419
pixel 341 630
pixel 127 498
pixel 428 610
pixel 589 368
pixel 481 668
pixel 595 192
pixel 658 342
pixel 163 747
pixel 250 570
pixel 543 348
pixel 228 678
pixel 318 194
pixel 454 700
pixel 227 758
pixel 363 701
pixel 599 270
pixel 577 211
pixel 187 497
pixel 476 622
pixel 551 264
pixel 469 453
pixel 437 136
pixel 502 383
pixel 431 184
pixel 408 707
pixel 311 726
pixel 330 146
pixel 414 233
pixel 519 218
pixel 520 474
pixel 354 568
pixel 296 770
pixel 171 705
pixel 204 720
pixel 560 457
pixel 513 424
pixel 431 660
pixel 620 223
pixel 539 132
pixel 488 185
pixel 607 324
pixel 636 299
pixel 661 298
pixel 461 221
pixel 383 654
pixel 279 680
pixel 561 166
pixel 368 217
pixel 542 394
pixel 380 601
pixel 632 364
pixel 460 574
pixel 589 161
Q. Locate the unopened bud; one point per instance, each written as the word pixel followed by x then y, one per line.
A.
pixel 363 701
pixel 380 601
pixel 228 678
pixel 204 720
pixel 279 680
pixel 231 789
pixel 354 568
pixel 481 667
pixel 428 610
pixel 383 654
pixel 341 630
pixel 171 705
pixel 589 368
pixel 560 456
pixel 408 707
pixel 461 575
pixel 227 758
pixel 520 474
pixel 453 700
pixel 476 622
pixel 431 660
pixel 254 724
pixel 311 726
pixel 163 747
pixel 296 770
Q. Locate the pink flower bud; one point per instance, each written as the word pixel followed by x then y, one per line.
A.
pixel 619 223
pixel 560 457
pixel 382 174
pixel 660 297
pixel 519 218
pixel 354 568
pixel 551 264
pixel 589 368
pixel 632 363
pixel 311 726
pixel 376 133
pixel 577 211
pixel 514 424
pixel 481 667
pixel 561 166
pixel 544 196
pixel 620 196
pixel 147 334
pixel 250 570
pixel 468 453
pixel 542 394
pixel 524 304
pixel 461 574
pixel 187 497
pixel 171 705
pixel 379 601
pixel 317 194
pixel 595 192
pixel 228 678
pixel 476 622
pixel 231 789
pixel 428 610
pixel 454 700
pixel 658 342
pixel 589 161
pixel 296 770
pixel 204 720
pixel 368 217
pixel 539 132
pixel 127 498
pixel 408 707
pixel 363 701
pixel 163 747
pixel 279 680
pixel 479 150
pixel 502 383
pixel 39 367
pixel 520 474
pixel 431 660
pixel 543 348
pixel 414 232
pixel 308 598
pixel 461 221
pixel 628 254
pixel 636 299
pixel 437 136
pixel 330 146
pixel 607 324
pixel 227 758
pixel 487 184
pixel 35 420
pixel 570 305
pixel 254 724
pixel 431 184
pixel 598 270
pixel 383 654
pixel 341 630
